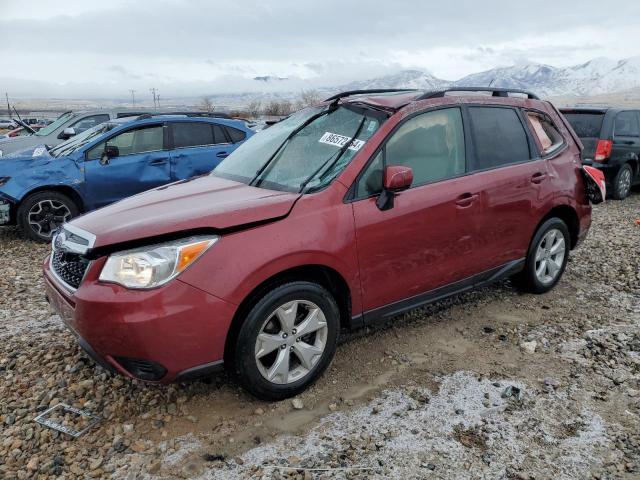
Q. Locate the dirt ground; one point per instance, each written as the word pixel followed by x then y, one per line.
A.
pixel 488 384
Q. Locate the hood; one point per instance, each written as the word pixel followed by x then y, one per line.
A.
pixel 198 203
pixel 33 151
pixel 16 144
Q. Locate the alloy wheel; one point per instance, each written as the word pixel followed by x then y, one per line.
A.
pixel 550 256
pixel 624 182
pixel 291 342
pixel 47 215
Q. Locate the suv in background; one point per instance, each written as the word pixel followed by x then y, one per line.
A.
pixel 611 139
pixel 353 211
pixel 44 187
pixel 63 128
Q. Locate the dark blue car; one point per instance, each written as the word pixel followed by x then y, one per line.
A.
pixel 42 187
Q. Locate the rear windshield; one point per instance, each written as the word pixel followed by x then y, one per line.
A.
pixel 586 124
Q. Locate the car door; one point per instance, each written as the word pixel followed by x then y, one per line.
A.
pixel 426 239
pixel 142 163
pixel 626 136
pixel 198 147
pixel 513 183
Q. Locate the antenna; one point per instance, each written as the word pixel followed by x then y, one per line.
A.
pixel 133 97
pixel 491 82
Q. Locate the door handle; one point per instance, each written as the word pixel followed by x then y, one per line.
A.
pixel 222 154
pixel 159 161
pixel 466 199
pixel 538 177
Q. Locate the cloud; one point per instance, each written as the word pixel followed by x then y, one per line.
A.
pixel 118 45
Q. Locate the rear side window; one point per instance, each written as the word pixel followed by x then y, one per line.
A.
pixel 499 137
pixel 545 132
pixel 626 125
pixel 586 125
pixel 218 134
pixel 192 134
pixel 432 144
pixel 235 134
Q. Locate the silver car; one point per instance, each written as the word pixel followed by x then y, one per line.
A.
pixel 64 127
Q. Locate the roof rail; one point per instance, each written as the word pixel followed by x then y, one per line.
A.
pixel 348 93
pixel 495 92
pixel 185 114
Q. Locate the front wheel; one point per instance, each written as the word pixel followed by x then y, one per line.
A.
pixel 546 259
pixel 287 340
pixel 42 213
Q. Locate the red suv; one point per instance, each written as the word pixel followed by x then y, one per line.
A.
pixel 356 210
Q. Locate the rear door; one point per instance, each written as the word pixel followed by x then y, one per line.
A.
pixel 198 147
pixel 512 180
pixel 426 240
pixel 143 163
pixel 626 136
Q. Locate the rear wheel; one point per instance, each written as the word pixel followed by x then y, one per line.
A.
pixel 622 182
pixel 546 259
pixel 42 213
pixel 287 340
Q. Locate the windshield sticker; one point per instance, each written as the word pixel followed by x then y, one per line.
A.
pixel 373 125
pixel 340 141
pixel 38 151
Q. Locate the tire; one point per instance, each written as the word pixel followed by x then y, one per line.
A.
pixel 622 182
pixel 41 213
pixel 538 277
pixel 255 361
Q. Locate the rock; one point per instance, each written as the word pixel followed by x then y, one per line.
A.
pixel 154 467
pixel 333 407
pixel 138 446
pixel 488 329
pixel 258 411
pixel 297 404
pixel 529 347
pixel 192 419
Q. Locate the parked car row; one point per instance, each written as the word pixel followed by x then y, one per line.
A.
pixel 343 214
pixel 43 186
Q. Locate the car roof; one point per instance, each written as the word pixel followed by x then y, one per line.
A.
pixel 594 109
pixel 395 99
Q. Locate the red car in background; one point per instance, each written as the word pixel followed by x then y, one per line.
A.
pixel 350 212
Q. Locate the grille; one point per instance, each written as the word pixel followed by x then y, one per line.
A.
pixel 70 267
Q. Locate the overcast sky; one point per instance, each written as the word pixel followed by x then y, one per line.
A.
pixel 81 48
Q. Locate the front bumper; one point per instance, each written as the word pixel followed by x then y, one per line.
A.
pixel 175 332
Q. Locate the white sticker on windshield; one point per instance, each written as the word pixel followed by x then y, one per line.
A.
pixel 340 141
pixel 38 151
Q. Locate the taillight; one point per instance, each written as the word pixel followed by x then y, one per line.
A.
pixel 603 150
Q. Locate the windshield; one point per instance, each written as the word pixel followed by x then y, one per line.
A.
pixel 304 152
pixel 80 140
pixel 52 127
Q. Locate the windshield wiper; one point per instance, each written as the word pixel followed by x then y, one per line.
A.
pixel 305 124
pixel 340 153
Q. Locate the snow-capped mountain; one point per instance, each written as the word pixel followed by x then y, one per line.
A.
pixel 403 79
pixel 595 77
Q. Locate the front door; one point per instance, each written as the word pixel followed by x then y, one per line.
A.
pixel 142 163
pixel 426 240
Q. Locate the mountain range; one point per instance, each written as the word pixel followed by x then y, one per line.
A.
pixel 596 77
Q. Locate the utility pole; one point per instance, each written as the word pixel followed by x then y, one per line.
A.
pixel 158 100
pixel 133 97
pixel 153 92
pixel 6 94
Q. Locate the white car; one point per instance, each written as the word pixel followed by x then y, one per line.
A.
pixel 7 123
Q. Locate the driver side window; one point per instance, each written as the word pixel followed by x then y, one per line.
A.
pixel 138 140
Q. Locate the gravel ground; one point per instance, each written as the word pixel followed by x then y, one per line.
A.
pixel 489 384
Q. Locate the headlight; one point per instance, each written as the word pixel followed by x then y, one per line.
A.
pixel 152 266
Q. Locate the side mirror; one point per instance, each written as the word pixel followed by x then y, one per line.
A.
pixel 67 133
pixel 395 179
pixel 110 151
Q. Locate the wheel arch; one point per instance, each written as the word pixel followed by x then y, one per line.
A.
pixel 569 216
pixel 323 275
pixel 70 192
